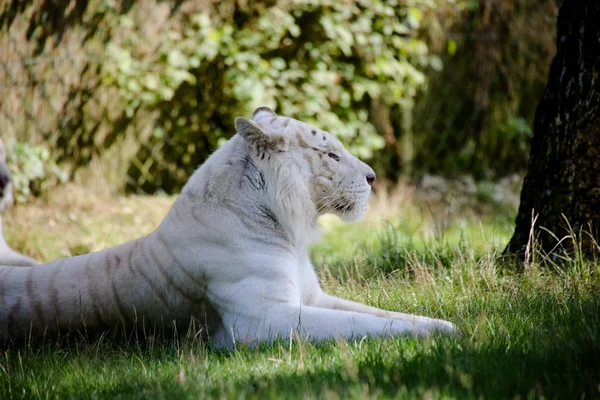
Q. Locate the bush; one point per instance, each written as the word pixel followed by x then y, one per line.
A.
pixel 413 87
pixel 320 61
pixel 33 170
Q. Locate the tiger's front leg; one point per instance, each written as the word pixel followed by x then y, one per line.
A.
pixel 257 310
pixel 332 302
pixel 271 321
pixel 315 296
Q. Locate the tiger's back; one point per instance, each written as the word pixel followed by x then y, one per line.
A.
pixel 122 288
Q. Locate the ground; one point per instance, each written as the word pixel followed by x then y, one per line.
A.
pixel 522 334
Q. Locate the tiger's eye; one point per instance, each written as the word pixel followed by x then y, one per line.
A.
pixel 334 156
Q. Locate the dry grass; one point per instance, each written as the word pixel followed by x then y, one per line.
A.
pixel 89 216
pixel 74 219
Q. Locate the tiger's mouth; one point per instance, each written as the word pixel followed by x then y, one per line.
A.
pixel 343 207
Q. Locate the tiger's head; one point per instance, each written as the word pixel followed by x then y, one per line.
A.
pixel 335 180
pixel 6 191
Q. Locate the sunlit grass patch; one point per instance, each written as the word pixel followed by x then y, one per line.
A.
pixel 75 219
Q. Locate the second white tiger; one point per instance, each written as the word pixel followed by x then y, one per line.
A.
pixel 7 255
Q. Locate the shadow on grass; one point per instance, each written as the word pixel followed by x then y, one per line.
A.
pixel 556 356
pixel 448 368
pixel 549 348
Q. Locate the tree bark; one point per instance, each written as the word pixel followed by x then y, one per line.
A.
pixel 562 186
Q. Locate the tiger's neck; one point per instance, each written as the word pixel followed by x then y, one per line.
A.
pixel 231 182
pixel 2 240
pixel 284 197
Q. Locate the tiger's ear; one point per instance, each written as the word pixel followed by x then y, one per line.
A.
pixel 258 138
pixel 262 112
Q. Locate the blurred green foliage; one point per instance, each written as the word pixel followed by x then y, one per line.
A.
pixel 33 170
pixel 476 115
pixel 446 87
pixel 320 61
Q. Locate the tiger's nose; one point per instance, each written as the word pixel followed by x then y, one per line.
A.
pixel 370 179
pixel 4 181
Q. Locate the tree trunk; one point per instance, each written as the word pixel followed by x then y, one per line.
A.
pixel 562 188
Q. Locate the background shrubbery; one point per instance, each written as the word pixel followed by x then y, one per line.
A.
pixel 151 88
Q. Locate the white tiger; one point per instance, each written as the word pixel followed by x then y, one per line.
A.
pixel 231 253
pixel 7 255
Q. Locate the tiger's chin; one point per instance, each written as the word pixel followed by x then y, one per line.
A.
pixel 350 212
pixel 6 198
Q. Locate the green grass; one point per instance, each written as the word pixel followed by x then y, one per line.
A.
pixel 522 335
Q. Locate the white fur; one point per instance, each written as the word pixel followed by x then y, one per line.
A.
pixel 232 252
pixel 7 255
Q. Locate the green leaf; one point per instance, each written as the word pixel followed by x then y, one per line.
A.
pixel 451 47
